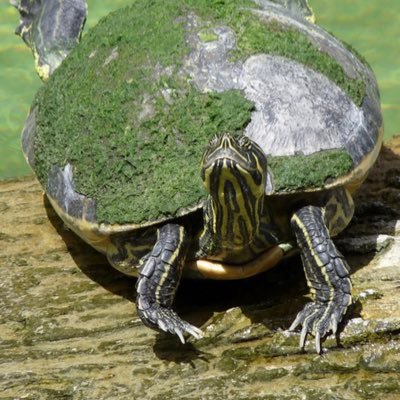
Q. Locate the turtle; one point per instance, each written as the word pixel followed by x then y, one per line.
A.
pixel 203 139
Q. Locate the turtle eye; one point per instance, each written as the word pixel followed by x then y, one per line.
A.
pixel 257 177
pixel 244 141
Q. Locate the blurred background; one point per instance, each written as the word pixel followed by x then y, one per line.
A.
pixel 372 27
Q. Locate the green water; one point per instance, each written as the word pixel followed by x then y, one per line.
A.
pixel 371 26
pixel 19 82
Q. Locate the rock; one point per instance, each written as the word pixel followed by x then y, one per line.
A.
pixel 69 329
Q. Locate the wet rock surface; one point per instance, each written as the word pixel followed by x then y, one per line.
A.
pixel 69 329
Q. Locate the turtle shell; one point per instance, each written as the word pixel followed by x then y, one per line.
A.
pixel 116 134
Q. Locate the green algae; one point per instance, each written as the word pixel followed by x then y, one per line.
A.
pixel 253 36
pixel 137 148
pixel 132 126
pixel 296 46
pixel 207 36
pixel 315 170
pixel 265 375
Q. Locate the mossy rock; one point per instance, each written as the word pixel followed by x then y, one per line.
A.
pixel 132 108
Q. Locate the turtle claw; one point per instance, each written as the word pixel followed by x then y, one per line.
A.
pixel 192 330
pixel 195 332
pixel 318 343
pixel 179 333
pixel 317 319
pixel 166 320
pixel 303 337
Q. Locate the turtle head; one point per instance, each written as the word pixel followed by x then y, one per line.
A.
pixel 234 167
pixel 234 171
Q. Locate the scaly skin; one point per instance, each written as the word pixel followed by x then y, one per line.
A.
pixel 159 275
pixel 327 276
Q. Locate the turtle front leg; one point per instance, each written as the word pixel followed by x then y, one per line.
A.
pixel 159 275
pixel 327 275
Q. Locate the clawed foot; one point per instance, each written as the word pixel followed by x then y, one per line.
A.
pixel 318 319
pixel 160 318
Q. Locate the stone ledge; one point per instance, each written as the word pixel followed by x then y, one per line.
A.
pixel 69 329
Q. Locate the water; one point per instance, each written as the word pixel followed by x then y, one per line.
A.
pixel 371 26
pixel 19 82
